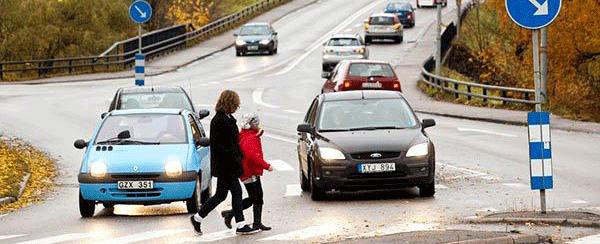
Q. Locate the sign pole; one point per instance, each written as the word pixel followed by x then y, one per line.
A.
pixel 544 63
pixel 140 38
pixel 458 3
pixel 538 97
pixel 438 40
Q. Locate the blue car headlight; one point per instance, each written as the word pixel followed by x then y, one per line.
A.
pixel 173 168
pixel 98 169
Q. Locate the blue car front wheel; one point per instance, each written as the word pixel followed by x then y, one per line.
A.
pixel 193 203
pixel 86 208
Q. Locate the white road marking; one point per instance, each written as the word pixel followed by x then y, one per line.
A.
pixel 279 138
pixel 319 42
pixel 144 236
pixel 62 238
pixel 280 165
pixel 215 236
pixel 259 71
pixel 440 186
pixel 473 173
pixel 516 185
pixel 292 111
pixel 357 25
pixel 348 30
pixel 11 236
pixel 396 229
pixel 579 201
pixel 486 132
pixel 487 210
pixel 293 190
pixel 586 240
pixel 213 83
pixel 2 215
pixel 305 233
pixel 257 96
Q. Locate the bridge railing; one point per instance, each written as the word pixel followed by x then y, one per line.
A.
pixel 121 54
pixel 467 89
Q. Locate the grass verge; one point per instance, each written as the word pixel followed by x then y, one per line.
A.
pixel 18 159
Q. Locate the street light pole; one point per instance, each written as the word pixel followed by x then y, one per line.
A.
pixel 438 40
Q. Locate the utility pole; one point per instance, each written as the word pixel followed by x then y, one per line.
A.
pixel 458 15
pixel 544 63
pixel 438 39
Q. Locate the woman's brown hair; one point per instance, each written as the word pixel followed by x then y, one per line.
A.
pixel 228 103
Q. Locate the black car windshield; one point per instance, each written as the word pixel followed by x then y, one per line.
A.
pixel 340 42
pixel 367 70
pixel 381 20
pixel 395 7
pixel 154 100
pixel 255 30
pixel 143 129
pixel 366 114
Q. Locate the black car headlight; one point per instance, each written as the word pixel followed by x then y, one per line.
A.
pixel 240 42
pixel 328 153
pixel 418 150
pixel 265 42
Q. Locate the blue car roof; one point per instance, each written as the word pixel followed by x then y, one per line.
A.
pixel 149 111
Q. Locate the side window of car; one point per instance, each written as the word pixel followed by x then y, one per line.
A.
pixel 195 131
pixel 310 114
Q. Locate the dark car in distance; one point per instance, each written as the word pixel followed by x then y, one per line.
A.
pixel 364 140
pixel 256 38
pixel 361 75
pixel 404 11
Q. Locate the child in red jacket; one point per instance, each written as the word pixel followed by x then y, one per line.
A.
pixel 253 164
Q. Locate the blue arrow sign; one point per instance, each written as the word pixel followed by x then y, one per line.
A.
pixel 533 14
pixel 140 11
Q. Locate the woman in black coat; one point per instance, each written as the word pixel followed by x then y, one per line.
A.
pixel 226 163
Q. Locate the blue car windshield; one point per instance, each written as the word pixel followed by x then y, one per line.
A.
pixel 366 114
pixel 396 7
pixel 154 100
pixel 142 129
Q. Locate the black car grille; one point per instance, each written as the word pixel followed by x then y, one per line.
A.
pixel 252 42
pixel 367 155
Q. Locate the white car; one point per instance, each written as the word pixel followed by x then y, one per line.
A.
pixel 341 47
pixel 430 3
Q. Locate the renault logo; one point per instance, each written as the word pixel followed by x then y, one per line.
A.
pixel 136 168
pixel 376 155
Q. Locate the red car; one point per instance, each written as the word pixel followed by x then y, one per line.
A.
pixel 361 75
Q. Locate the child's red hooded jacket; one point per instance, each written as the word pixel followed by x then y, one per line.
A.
pixel 253 162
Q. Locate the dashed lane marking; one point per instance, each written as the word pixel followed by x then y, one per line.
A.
pixel 586 240
pixel 515 185
pixel 280 165
pixel 257 96
pixel 292 111
pixel 489 132
pixel 306 233
pixel 144 236
pixel 279 138
pixel 6 237
pixel 293 190
pixel 579 201
pixel 62 238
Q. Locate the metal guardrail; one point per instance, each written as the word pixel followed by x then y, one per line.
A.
pixel 453 86
pixel 123 56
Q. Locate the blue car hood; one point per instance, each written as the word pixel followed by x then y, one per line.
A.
pixel 147 158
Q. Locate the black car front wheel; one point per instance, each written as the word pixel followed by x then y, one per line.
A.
pixel 86 208
pixel 427 190
pixel 316 193
pixel 193 203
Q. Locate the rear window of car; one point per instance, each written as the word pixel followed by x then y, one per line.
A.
pixel 340 42
pixel 367 70
pixel 381 20
pixel 154 100
pixel 392 7
pixel 143 128
pixel 355 114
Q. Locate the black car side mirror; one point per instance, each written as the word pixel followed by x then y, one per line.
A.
pixel 203 142
pixel 236 34
pixel 427 123
pixel 305 128
pixel 203 113
pixel 80 144
pixel 326 75
pixel 103 115
pixel 275 33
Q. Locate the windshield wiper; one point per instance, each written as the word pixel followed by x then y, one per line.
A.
pixel 333 130
pixel 129 142
pixel 377 128
pixel 109 141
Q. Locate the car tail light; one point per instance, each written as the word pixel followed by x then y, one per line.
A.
pixel 397 86
pixel 397 26
pixel 359 50
pixel 366 26
pixel 410 15
pixel 328 50
pixel 347 84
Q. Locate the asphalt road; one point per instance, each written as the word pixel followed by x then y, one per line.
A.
pixel 481 166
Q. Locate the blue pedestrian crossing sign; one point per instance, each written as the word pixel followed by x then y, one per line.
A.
pixel 140 11
pixel 540 150
pixel 533 14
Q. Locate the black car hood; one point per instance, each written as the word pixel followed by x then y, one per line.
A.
pixel 255 37
pixel 373 140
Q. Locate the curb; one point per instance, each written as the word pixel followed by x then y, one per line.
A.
pixel 554 221
pixel 22 185
pixel 523 239
pixel 173 68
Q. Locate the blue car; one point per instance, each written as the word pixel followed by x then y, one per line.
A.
pixel 145 157
pixel 404 10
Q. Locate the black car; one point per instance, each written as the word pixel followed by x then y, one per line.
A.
pixel 364 140
pixel 404 11
pixel 143 97
pixel 257 38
